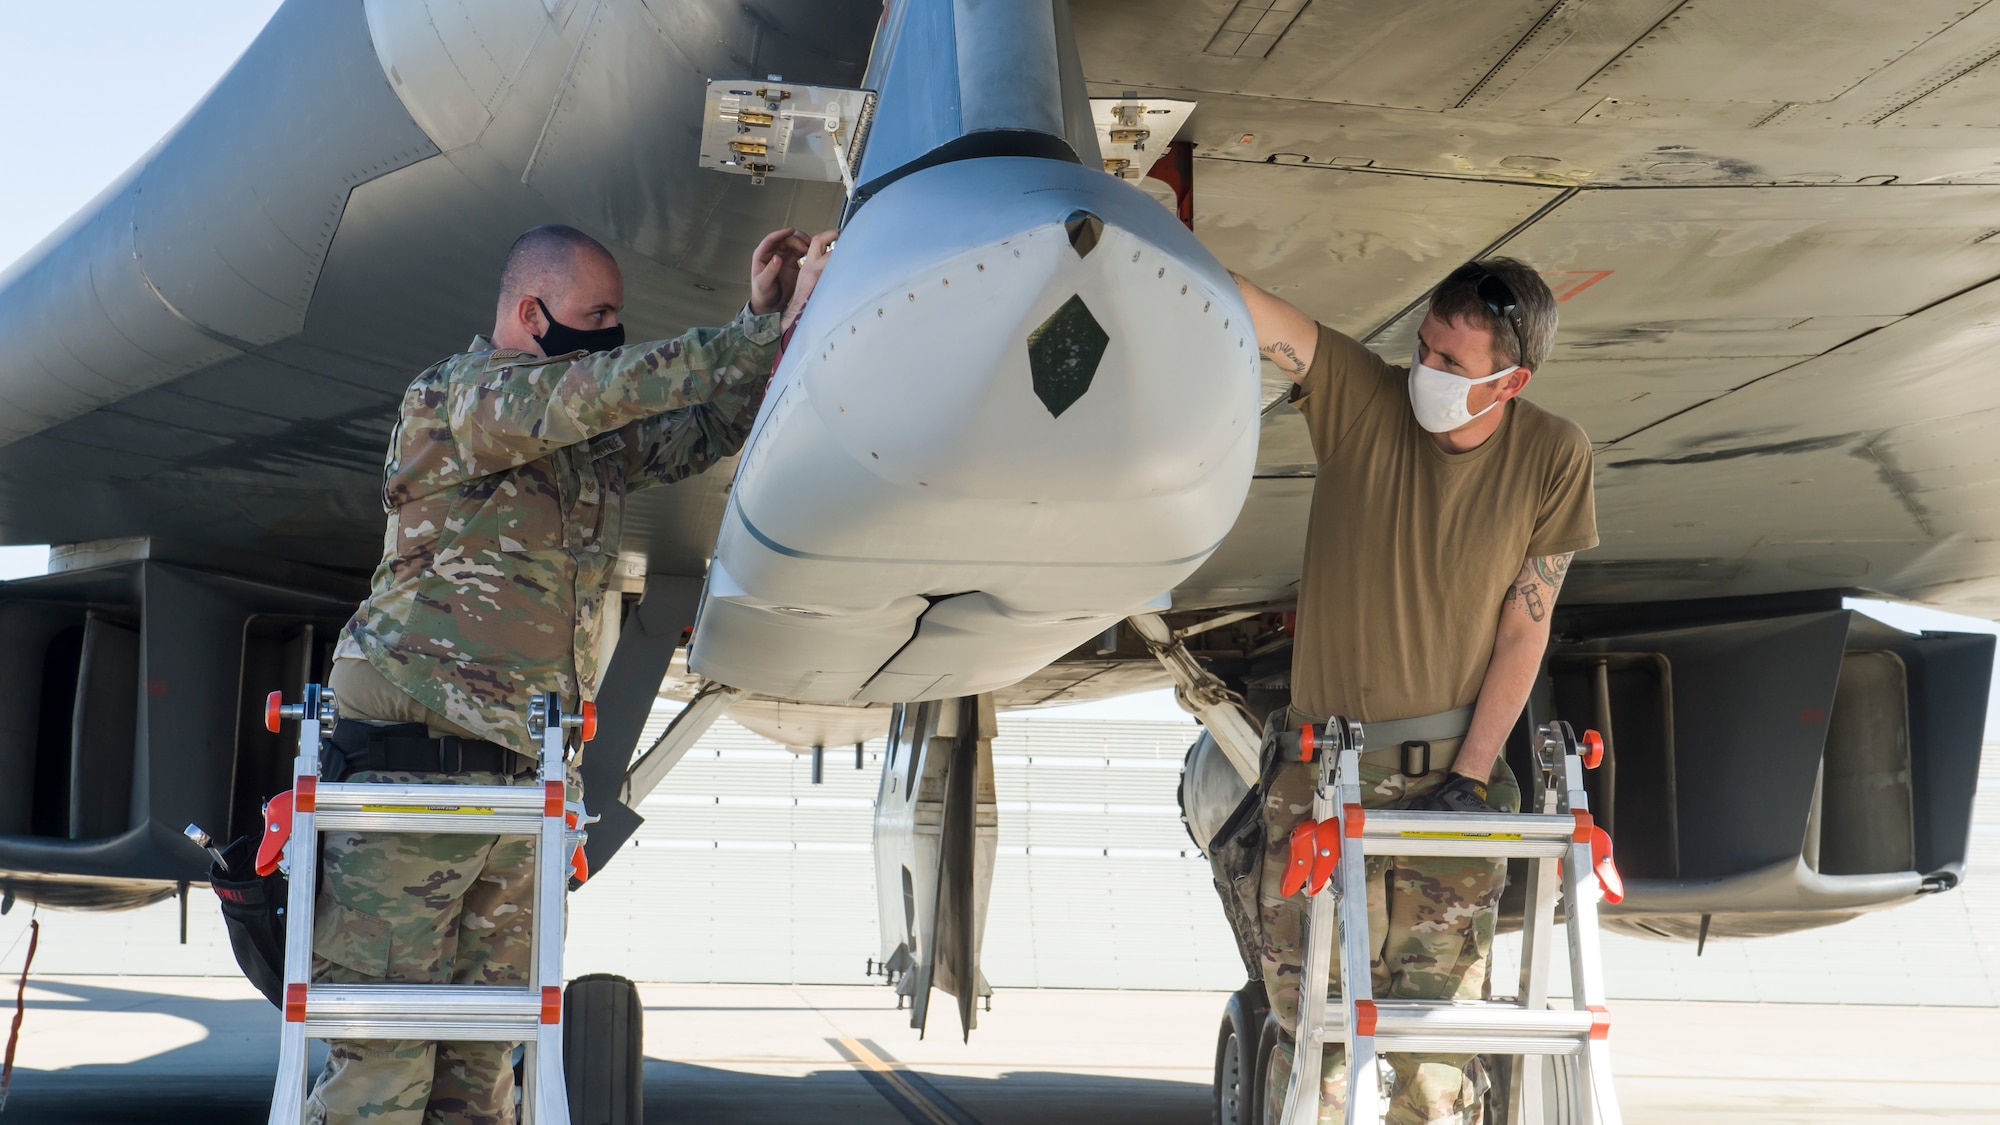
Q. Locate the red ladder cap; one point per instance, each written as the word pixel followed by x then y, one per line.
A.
pixel 295 1003
pixel 1583 826
pixel 1365 1016
pixel 1592 745
pixel 551 1004
pixel 1352 818
pixel 552 798
pixel 1600 1022
pixel 305 793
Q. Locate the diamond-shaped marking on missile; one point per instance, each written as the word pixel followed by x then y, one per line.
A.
pixel 1063 354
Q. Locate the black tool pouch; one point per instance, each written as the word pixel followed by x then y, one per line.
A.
pixel 1236 860
pixel 253 911
pixel 1236 854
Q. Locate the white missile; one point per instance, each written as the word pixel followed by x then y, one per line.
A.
pixel 1022 404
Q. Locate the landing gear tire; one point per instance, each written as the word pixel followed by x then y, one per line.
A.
pixel 1236 1074
pixel 1562 1089
pixel 1271 1073
pixel 603 1058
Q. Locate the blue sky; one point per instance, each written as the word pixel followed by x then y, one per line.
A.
pixel 100 81
pixel 103 80
pixel 93 84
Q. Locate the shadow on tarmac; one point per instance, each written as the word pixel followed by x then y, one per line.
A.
pixel 675 1093
pixel 683 1094
pixel 225 1079
pixel 181 1101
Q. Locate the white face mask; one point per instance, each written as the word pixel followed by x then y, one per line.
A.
pixel 1439 397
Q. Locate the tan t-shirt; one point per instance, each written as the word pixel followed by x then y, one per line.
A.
pixel 1411 549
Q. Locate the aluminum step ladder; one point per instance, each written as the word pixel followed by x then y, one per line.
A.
pixel 1328 858
pixel 531 1015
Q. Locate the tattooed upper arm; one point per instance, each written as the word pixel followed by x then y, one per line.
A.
pixel 1285 357
pixel 1285 335
pixel 1534 589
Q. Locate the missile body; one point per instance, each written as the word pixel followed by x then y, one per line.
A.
pixel 1022 404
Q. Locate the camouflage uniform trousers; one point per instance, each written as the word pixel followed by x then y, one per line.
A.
pixel 1431 922
pixel 417 908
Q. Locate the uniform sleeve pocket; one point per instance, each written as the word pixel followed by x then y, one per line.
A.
pixel 349 938
pixel 524 514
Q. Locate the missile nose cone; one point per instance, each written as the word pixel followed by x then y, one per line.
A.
pixel 1084 231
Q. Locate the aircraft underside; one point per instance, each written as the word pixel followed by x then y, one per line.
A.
pixel 1020 451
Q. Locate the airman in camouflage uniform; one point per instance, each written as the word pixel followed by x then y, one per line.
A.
pixel 505 487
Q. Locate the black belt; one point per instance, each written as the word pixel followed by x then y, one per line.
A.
pixel 409 748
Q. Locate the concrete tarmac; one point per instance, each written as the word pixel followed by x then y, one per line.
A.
pixel 185 1050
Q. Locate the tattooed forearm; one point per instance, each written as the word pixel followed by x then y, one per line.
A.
pixel 1535 588
pixel 1285 357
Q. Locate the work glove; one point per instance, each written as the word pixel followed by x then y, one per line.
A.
pixel 1458 794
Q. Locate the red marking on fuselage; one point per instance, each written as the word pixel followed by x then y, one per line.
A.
pixel 1568 283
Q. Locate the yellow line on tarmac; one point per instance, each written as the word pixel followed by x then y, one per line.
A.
pixel 863 1057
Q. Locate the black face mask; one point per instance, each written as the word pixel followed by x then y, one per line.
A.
pixel 561 339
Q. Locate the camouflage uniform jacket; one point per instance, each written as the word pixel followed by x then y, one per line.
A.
pixel 505 487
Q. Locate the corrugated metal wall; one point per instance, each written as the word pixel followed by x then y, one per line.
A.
pixel 1096 884
pixel 746 871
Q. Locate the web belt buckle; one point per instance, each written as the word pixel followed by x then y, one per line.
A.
pixel 1416 758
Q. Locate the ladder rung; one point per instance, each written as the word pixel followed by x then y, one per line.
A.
pixel 1416 1018
pixel 353 797
pixel 420 1011
pixel 449 809
pixel 1474 1028
pixel 1476 1045
pixel 1501 835
pixel 440 823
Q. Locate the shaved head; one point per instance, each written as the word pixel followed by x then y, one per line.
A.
pixel 560 274
pixel 543 262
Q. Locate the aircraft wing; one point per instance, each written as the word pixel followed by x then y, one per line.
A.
pixel 211 352
pixel 1768 228
pixel 1771 228
pixel 202 368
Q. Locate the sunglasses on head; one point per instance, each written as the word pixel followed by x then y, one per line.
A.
pixel 1496 295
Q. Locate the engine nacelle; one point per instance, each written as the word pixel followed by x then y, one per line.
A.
pixel 1022 405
